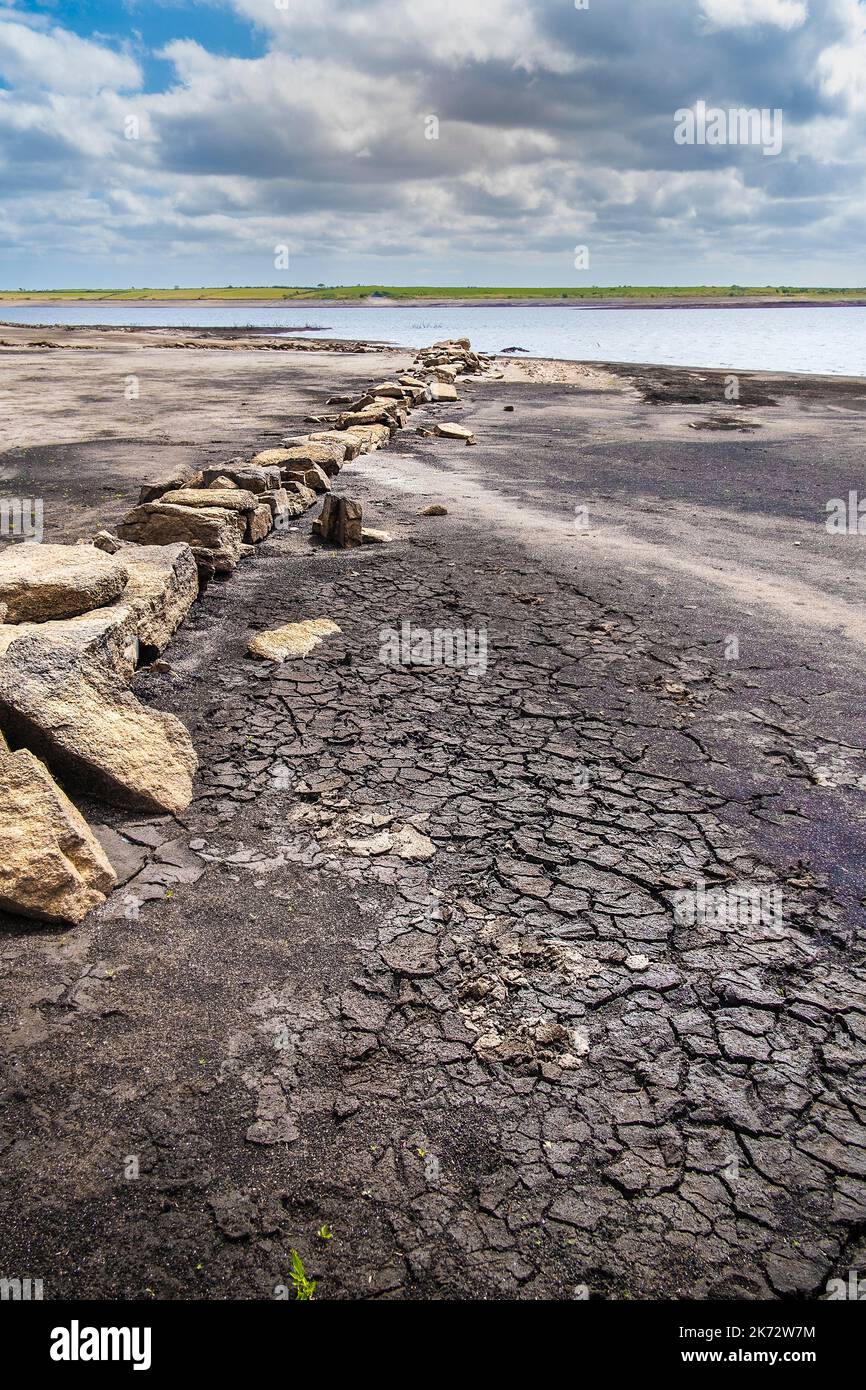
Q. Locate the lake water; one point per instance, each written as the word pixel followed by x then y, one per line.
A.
pixel 830 341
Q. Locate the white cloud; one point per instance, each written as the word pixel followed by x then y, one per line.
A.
pixel 555 127
pixel 59 61
pixel 842 66
pixel 454 33
pixel 738 14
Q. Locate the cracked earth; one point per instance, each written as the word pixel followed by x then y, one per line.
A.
pixel 410 965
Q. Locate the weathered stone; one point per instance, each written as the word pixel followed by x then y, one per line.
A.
pixel 163 585
pixel 329 454
pixel 107 635
pixel 370 535
pixel 104 540
pixel 204 560
pixel 435 509
pixel 449 430
pixel 637 963
pixel 294 488
pixel 294 506
pixel 234 499
pixel 344 437
pixel 249 477
pixel 269 458
pixel 378 412
pixel 278 502
pixel 52 866
pixel 369 436
pixel 212 529
pixel 151 492
pixel 39 582
pixel 291 640
pixel 259 522
pixel 407 391
pixel 310 474
pixel 61 697
pixel 392 389
pixel 441 391
pixel 339 522
pixel 276 498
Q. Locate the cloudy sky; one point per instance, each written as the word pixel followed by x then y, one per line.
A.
pixel 159 142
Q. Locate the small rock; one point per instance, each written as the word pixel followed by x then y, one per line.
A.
pixel 435 509
pixel 449 430
pixel 291 640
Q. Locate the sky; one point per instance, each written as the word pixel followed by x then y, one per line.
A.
pixel 461 142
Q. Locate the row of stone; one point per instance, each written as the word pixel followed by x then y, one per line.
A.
pixel 223 509
pixel 76 620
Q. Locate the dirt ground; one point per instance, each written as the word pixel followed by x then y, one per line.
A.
pixel 510 1069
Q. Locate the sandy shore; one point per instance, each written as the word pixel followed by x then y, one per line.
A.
pixel 506 1071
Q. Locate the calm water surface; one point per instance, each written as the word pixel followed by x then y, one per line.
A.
pixel 823 340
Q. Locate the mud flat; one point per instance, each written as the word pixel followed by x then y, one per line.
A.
pixel 412 963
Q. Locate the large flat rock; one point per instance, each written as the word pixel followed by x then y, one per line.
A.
pixel 252 479
pixel 442 391
pixel 107 635
pixel 233 499
pixel 163 585
pixel 40 582
pixel 329 454
pixel 63 698
pixel 369 437
pixel 383 412
pixel 217 530
pixel 52 866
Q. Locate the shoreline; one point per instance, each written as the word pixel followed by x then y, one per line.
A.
pixel 16 338
pixel 466 302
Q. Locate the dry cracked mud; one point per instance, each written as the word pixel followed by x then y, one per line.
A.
pixel 410 967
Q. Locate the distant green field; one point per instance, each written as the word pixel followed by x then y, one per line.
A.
pixel 479 292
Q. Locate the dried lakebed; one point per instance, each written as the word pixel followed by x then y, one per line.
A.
pixel 403 968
